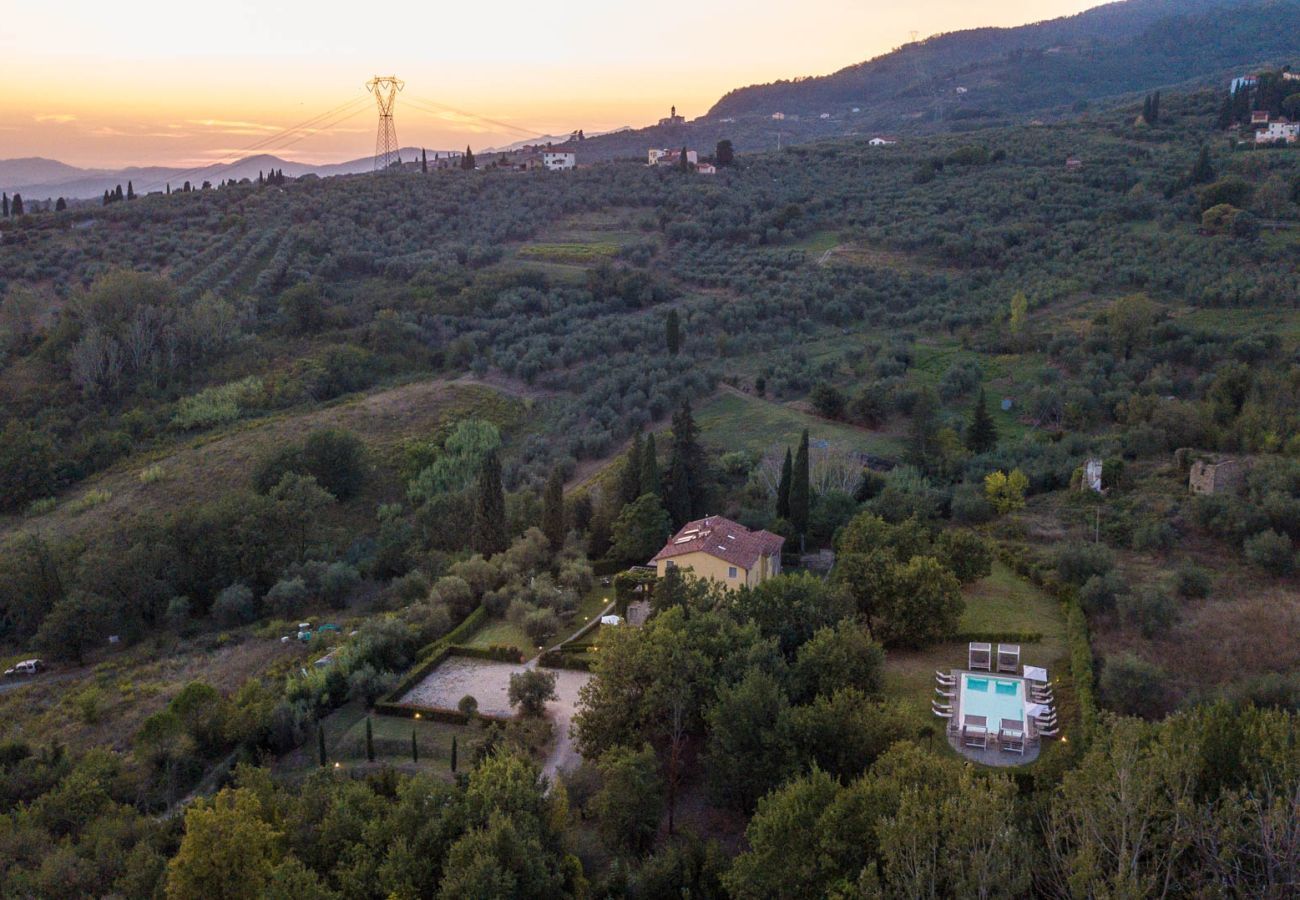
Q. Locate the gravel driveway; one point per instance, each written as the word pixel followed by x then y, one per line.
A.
pixel 489 683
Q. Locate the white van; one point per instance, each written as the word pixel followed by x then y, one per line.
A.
pixel 26 667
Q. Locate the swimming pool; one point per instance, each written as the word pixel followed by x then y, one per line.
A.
pixel 994 698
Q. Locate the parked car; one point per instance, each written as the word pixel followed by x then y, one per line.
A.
pixel 26 667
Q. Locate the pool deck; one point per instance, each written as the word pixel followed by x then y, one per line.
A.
pixel 994 756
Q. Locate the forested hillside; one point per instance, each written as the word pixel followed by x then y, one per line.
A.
pixel 433 410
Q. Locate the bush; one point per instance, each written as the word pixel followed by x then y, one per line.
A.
pixel 827 400
pixel 234 606
pixel 1134 687
pixel 468 706
pixel 1150 610
pixel 336 458
pixel 540 624
pixel 1192 581
pixel 338 583
pixel 968 555
pixel 1272 552
pixel 969 505
pixel 1100 593
pixel 286 596
pixel 1076 563
pixel 1151 537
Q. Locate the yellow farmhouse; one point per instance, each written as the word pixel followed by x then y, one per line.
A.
pixel 722 550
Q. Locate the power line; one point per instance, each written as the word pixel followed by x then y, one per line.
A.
pixel 262 143
pixel 439 108
pixel 385 88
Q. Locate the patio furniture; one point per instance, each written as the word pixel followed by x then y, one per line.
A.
pixel 1035 674
pixel 980 657
pixel 943 712
pixel 943 679
pixel 1044 732
pixel 1011 736
pixel 1008 658
pixel 942 693
pixel 975 732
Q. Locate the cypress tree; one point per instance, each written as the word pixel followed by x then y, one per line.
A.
pixel 783 487
pixel 1155 108
pixel 553 525
pixel 424 162
pixel 61 205
pixel 489 534
pixel 6 206
pixel 370 741
pixel 169 189
pixel 467 161
pixel 107 199
pixel 982 432
pixel 16 205
pixel 453 753
pixel 415 748
pixel 650 467
pixel 923 431
pixel 673 327
pixel 117 194
pixel 320 744
pixel 629 480
pixel 686 476
pixel 684 162
pixel 1203 170
pixel 1146 109
pixel 130 191
pixel 800 487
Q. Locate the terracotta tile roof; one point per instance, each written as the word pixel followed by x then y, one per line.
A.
pixel 723 538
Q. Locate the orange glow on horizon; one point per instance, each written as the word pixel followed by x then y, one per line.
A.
pixel 143 82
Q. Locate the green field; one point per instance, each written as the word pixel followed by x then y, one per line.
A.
pixel 574 253
pixel 737 422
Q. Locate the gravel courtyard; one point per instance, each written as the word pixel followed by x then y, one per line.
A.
pixel 489 683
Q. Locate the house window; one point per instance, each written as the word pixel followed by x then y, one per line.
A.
pixel 731 572
pixel 669 564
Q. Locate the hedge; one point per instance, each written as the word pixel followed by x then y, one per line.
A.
pixel 496 653
pixel 433 713
pixel 552 659
pixel 433 655
pixel 1082 674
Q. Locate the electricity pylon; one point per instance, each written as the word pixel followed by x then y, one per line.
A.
pixel 385 88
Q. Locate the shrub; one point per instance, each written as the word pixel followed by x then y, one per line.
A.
pixel 968 555
pixel 1191 581
pixel 969 505
pixel 217 405
pixel 152 474
pixel 1134 687
pixel 1153 536
pixel 338 583
pixel 468 706
pixel 41 507
pixel 234 606
pixel 1272 552
pixel 1076 563
pixel 1150 610
pixel 540 624
pixel 827 400
pixel 336 458
pixel 1100 592
pixel 89 500
pixel 286 596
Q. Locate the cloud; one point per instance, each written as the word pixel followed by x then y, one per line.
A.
pixel 226 126
pixel 60 118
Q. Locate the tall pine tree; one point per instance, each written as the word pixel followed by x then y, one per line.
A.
pixel 6 206
pixel 982 431
pixel 783 487
pixel 650 467
pixel 489 533
pixel 673 332
pixel 801 487
pixel 923 431
pixel 553 524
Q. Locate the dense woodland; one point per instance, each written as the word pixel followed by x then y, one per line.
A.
pixel 988 316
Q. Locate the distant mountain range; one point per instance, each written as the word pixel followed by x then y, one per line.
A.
pixel 37 179
pixel 958 81
pixel 995 76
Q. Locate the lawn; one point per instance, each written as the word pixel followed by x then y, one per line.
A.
pixel 501 632
pixel 345 743
pixel 1001 602
pixel 740 422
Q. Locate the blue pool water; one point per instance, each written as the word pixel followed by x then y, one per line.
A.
pixel 994 698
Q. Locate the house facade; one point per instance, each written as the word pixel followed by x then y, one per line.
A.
pixel 559 160
pixel 882 141
pixel 724 551
pixel 1281 130
pixel 671 157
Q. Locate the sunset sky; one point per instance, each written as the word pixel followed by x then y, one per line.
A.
pixel 142 82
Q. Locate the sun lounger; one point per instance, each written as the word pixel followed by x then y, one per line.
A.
pixel 1009 658
pixel 980 657
pixel 942 693
pixel 944 676
pixel 1044 732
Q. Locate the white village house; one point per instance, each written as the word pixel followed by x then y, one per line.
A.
pixel 559 160
pixel 879 141
pixel 1281 130
pixel 671 157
